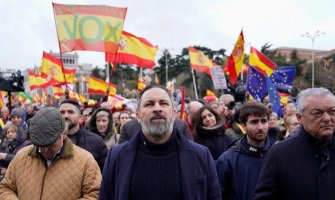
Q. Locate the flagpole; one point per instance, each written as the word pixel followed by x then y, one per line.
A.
pixel 166 68
pixel 60 51
pixel 194 84
pixel 141 71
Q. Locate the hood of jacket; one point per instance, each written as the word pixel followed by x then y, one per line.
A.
pixel 92 125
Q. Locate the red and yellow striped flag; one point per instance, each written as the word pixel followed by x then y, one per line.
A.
pixel 283 98
pixel 261 62
pixel 34 80
pixel 200 61
pixel 82 98
pixel 140 85
pixel 74 96
pixel 134 50
pixel 70 75
pixel 89 27
pixel 52 67
pixel 38 80
pixel 58 90
pixel 236 59
pixel 98 86
pixel 182 114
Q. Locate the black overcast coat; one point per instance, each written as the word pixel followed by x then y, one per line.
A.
pixel 298 168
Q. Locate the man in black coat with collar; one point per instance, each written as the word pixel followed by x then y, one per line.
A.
pixel 302 167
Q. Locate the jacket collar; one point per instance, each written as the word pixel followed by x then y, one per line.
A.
pixel 66 151
pixel 243 146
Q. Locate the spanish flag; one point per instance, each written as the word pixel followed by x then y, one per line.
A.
pixel 53 68
pixel 134 50
pixel 34 80
pixel 283 98
pixel 236 59
pixel 82 98
pixel 58 90
pixel 70 75
pixel 182 114
pixel 261 62
pixel 98 86
pixel 140 85
pixel 38 80
pixel 199 61
pixel 74 96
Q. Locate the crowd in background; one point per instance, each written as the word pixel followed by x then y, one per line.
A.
pixel 237 134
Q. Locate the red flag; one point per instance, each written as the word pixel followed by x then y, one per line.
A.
pixel 236 58
pixel 182 108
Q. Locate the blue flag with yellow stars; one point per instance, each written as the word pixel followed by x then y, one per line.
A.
pixel 256 84
pixel 283 78
pixel 274 97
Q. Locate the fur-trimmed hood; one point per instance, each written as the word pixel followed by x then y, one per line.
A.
pixel 92 126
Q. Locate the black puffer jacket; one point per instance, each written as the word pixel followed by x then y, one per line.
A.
pixel 214 139
pixel 92 143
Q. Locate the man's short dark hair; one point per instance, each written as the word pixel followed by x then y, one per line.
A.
pixel 252 108
pixel 73 102
pixel 139 96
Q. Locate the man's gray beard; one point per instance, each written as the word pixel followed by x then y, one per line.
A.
pixel 157 129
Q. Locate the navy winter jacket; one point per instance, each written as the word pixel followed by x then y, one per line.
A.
pixel 238 169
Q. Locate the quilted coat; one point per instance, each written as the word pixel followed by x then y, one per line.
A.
pixel 73 174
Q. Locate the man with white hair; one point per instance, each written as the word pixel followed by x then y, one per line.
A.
pixel 159 162
pixel 227 109
pixel 302 167
pixel 191 109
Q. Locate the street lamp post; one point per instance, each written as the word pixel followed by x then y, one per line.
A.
pixel 166 68
pixel 312 37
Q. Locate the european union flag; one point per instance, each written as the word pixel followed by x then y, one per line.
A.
pixel 283 78
pixel 256 84
pixel 274 97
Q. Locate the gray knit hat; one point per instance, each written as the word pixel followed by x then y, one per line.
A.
pixel 46 126
pixel 16 112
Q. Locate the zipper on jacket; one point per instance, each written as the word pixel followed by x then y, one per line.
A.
pixel 43 180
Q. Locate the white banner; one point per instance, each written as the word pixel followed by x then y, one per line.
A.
pixel 218 77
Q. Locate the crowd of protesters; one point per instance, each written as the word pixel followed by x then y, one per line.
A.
pixel 223 148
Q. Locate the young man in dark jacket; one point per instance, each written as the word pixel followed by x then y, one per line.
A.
pixel 81 137
pixel 238 168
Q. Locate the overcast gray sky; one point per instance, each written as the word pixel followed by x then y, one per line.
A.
pixel 28 27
